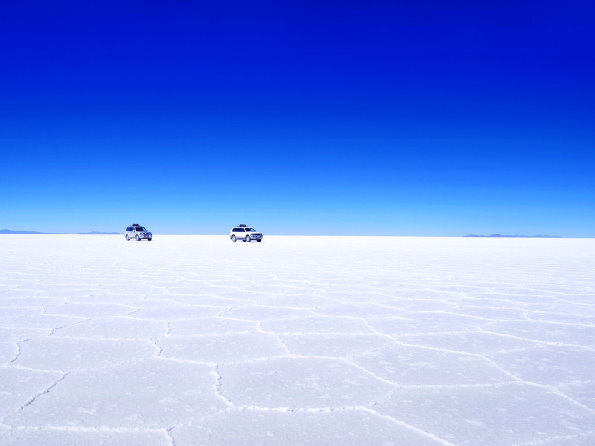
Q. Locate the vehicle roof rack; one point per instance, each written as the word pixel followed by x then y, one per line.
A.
pixel 243 226
pixel 134 224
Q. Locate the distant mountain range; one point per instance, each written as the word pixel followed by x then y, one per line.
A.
pixel 8 231
pixel 514 236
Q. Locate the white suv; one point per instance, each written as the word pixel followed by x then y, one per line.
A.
pixel 244 233
pixel 137 232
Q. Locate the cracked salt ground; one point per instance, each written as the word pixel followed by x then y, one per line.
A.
pixel 503 414
pixel 85 353
pixel 550 364
pixel 300 382
pixel 145 395
pixel 124 328
pixel 8 351
pixel 338 346
pixel 296 341
pixel 221 348
pixel 583 392
pixel 67 436
pixel 266 427
pixel 87 310
pixel 11 320
pixel 427 366
pixel 19 334
pixel 19 386
pixel 473 342
pixel 217 326
pixel 559 332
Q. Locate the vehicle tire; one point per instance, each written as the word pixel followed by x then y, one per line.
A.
pixel 233 238
pixel 137 238
pixel 248 239
pixel 259 240
pixel 127 238
pixel 149 239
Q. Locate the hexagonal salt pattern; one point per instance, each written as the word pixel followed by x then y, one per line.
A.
pixel 194 340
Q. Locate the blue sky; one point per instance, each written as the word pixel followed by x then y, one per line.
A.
pixel 370 118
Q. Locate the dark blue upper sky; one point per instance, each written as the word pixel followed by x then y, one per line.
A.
pixel 400 118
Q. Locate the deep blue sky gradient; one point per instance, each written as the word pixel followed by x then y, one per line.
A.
pixel 398 118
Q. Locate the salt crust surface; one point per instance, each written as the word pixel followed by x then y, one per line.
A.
pixel 194 340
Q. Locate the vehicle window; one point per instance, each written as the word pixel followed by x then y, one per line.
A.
pixel 238 230
pixel 128 228
pixel 140 228
pixel 251 230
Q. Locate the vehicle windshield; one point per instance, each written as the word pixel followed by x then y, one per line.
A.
pixel 140 228
pixel 250 229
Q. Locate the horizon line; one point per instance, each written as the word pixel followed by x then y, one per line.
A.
pixel 495 235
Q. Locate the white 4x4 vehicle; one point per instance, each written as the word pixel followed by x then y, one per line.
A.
pixel 244 233
pixel 138 233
